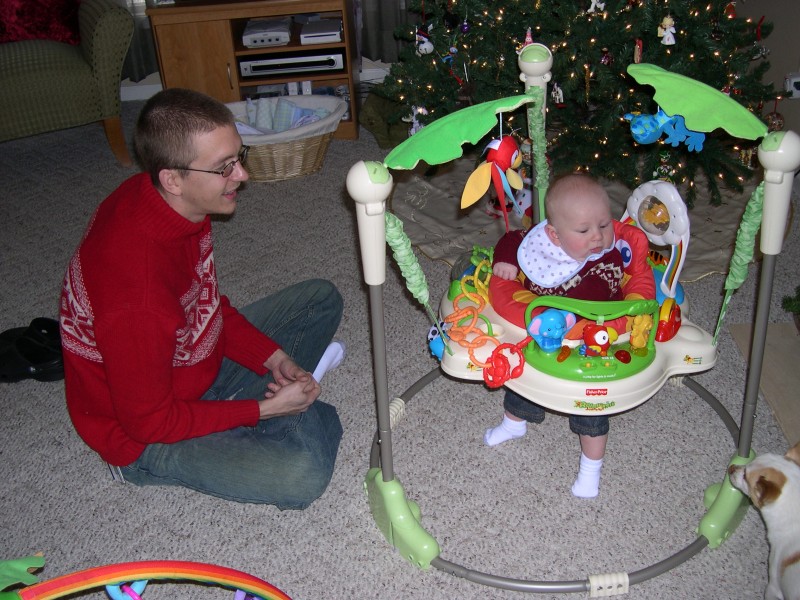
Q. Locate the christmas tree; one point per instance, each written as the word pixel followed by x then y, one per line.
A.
pixel 463 52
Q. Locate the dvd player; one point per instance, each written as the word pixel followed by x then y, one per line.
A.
pixel 264 67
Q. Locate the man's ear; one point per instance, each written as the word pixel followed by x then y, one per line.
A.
pixel 170 181
pixel 552 234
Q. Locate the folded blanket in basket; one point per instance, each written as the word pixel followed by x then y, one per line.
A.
pixel 265 116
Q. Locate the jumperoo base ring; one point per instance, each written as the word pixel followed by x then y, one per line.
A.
pixel 400 520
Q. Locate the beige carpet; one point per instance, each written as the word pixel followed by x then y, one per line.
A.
pixel 780 378
pixel 429 207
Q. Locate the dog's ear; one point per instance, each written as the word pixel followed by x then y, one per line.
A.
pixel 794 454
pixel 765 485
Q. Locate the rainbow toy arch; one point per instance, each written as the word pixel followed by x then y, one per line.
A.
pixel 117 574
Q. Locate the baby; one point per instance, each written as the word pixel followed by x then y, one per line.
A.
pixel 580 252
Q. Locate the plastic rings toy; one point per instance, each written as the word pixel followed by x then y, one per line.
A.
pixel 499 370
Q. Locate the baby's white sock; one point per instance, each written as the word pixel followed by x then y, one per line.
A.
pixel 508 429
pixel 587 485
pixel 331 358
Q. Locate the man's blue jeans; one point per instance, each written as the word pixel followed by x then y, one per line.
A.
pixel 286 461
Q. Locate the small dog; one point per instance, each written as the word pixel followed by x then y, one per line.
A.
pixel 772 483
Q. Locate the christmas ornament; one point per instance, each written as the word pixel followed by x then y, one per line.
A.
pixel 774 119
pixel 759 49
pixel 526 148
pixel 747 156
pixel 528 41
pixel 596 5
pixel 416 111
pixel 716 32
pixel 664 170
pixel 730 10
pixel 464 96
pixel 606 58
pixel 666 31
pixel 423 42
pixel 557 95
pixel 448 61
pixel 638 48
pixel 731 88
pixel 464 26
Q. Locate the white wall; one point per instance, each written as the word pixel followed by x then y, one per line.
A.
pixel 784 46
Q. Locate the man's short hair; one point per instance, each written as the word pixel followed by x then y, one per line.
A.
pixel 168 124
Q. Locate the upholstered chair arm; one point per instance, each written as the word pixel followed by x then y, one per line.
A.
pixel 106 29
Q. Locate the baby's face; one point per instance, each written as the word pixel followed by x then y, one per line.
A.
pixel 584 228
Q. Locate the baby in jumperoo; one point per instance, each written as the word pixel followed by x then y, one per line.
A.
pixel 580 252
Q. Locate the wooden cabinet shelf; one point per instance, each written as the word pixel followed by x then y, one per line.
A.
pixel 200 47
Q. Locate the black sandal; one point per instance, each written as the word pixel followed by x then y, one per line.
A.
pixel 32 352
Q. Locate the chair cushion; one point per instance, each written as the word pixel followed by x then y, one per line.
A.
pixel 30 73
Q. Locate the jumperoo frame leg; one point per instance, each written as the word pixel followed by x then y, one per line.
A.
pixel 370 184
pixel 779 154
pixel 397 517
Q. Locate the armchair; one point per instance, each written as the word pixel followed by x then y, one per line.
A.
pixel 47 85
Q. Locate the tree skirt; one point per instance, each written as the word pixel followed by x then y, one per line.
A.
pixel 429 207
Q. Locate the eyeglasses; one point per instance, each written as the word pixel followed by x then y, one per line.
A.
pixel 226 170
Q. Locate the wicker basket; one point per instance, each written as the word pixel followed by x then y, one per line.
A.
pixel 294 152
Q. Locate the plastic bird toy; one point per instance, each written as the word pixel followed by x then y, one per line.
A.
pixel 502 159
pixel 597 339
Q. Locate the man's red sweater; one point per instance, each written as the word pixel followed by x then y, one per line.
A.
pixel 144 329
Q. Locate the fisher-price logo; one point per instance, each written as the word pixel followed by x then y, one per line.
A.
pixel 597 391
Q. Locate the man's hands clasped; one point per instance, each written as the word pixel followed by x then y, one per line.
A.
pixel 293 390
